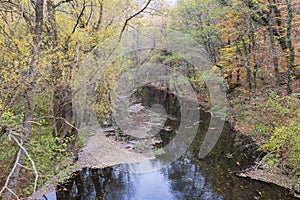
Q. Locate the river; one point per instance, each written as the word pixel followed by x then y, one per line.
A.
pixel 188 177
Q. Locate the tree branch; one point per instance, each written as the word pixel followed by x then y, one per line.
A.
pixel 53 117
pixel 131 17
pixel 11 135
pixel 61 2
pixel 77 23
pixel 10 175
pixel 30 159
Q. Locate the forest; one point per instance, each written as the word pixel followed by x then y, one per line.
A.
pixel 252 45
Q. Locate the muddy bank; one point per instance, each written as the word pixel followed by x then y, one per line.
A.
pixel 260 172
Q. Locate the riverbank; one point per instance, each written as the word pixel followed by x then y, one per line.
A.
pixel 108 148
pixel 260 171
pixel 269 120
pixel 249 118
pixel 275 175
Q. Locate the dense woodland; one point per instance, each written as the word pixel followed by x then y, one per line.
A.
pixel 253 44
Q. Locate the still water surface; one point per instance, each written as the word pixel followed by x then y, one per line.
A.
pixel 189 177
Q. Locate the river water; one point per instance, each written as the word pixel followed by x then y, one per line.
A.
pixel 189 177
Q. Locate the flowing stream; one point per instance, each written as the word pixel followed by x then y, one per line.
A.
pixel 189 177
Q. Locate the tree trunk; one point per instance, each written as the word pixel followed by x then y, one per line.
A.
pixel 248 76
pixel 255 68
pixel 290 70
pixel 273 46
pixel 62 108
pixel 238 76
pixel 62 91
pixel 279 32
pixel 100 18
pixel 28 96
pixel 247 64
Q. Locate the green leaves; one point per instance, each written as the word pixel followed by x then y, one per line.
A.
pixel 202 20
pixel 285 143
pixel 11 120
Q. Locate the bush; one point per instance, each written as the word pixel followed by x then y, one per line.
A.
pixel 285 143
pixel 49 153
pixel 274 122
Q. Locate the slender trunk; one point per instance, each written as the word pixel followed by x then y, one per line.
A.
pixel 247 65
pixel 290 70
pixel 248 77
pixel 99 22
pixel 255 76
pixel 273 46
pixel 279 32
pixel 56 71
pixel 28 96
pixel 253 48
pixel 238 76
pixel 62 94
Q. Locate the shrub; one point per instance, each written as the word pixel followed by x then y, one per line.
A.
pixel 285 143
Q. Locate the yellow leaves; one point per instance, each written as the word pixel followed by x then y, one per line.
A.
pixel 226 74
pixel 14 56
pixel 9 113
pixel 215 68
pixel 228 49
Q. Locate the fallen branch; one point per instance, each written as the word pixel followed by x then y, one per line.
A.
pixel 260 162
pixel 31 161
pixel 5 187
pixel 11 135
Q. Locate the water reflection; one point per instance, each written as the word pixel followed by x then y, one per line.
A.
pixel 180 180
pixel 211 178
pixel 186 178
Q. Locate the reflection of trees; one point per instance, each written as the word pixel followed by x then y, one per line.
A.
pixel 214 176
pixel 169 101
pixel 91 184
pixel 186 178
pixel 187 181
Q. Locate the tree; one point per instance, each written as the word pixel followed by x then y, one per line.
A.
pixel 35 28
pixel 42 44
pixel 290 70
pixel 273 45
pixel 200 19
